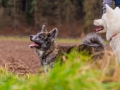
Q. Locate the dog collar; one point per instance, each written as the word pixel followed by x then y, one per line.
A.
pixel 114 36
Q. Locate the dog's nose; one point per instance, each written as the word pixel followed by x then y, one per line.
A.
pixel 94 20
pixel 31 37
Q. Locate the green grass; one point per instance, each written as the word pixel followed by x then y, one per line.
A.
pixel 68 40
pixel 74 74
pixel 26 38
pixel 14 38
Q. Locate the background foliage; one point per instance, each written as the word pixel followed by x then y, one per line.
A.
pixel 29 15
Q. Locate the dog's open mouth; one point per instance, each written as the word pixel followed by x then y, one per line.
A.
pixel 99 28
pixel 34 45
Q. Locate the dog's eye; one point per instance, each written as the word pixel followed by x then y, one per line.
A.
pixel 48 35
pixel 41 36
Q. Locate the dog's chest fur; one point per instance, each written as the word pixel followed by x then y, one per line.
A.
pixel 48 57
pixel 114 43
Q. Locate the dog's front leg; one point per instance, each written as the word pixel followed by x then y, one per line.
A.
pixel 45 64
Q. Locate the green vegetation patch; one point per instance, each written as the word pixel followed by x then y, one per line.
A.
pixel 26 38
pixel 74 74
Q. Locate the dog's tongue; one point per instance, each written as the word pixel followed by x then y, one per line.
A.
pixel 99 29
pixel 33 45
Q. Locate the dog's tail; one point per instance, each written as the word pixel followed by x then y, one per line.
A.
pixel 93 43
pixel 93 40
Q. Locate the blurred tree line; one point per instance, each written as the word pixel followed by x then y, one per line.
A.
pixel 34 13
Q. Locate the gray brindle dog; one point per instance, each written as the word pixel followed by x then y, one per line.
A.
pixel 48 50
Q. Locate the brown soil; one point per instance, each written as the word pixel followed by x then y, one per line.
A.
pixel 17 57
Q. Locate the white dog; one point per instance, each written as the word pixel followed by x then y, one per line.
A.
pixel 110 23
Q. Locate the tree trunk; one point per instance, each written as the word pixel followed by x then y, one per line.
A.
pixel 68 12
pixel 14 15
pixel 35 15
pixel 59 13
pixel 26 5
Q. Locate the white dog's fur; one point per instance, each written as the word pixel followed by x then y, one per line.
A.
pixel 111 23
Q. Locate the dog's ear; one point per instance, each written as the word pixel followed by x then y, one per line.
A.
pixel 43 29
pixel 109 11
pixel 117 9
pixel 53 34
